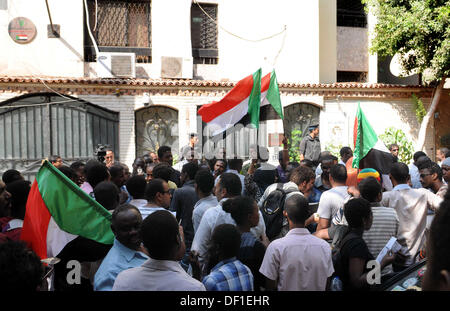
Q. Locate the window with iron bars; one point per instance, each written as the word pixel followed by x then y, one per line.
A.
pixel 351 76
pixel 350 13
pixel 119 26
pixel 204 34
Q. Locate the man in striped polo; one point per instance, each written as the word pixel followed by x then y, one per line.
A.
pixel 385 221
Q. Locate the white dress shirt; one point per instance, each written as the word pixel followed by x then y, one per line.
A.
pixel 157 275
pixel 213 217
pixel 147 210
pixel 299 261
pixel 411 206
pixel 200 208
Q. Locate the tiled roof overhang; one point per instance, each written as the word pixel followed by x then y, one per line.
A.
pixel 202 87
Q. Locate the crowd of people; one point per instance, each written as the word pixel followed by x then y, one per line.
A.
pixel 228 225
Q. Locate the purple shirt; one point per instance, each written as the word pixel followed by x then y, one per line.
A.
pixel 282 174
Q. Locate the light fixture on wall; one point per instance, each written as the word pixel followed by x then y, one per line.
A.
pixel 146 99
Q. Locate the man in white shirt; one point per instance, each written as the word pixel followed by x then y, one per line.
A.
pixel 235 166
pixel 158 197
pixel 431 178
pixel 204 183
pixel 298 261
pixel 411 206
pixel 331 202
pixel 229 186
pixel 136 187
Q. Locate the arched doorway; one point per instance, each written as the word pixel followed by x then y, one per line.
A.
pixel 35 126
pixel 156 126
pixel 297 118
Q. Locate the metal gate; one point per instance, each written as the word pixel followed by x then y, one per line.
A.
pixel 36 126
pixel 156 126
pixel 299 116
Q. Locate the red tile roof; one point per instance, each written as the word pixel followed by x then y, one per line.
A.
pixel 196 83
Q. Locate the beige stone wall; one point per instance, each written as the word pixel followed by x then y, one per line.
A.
pixel 62 57
pixel 381 114
pixel 336 118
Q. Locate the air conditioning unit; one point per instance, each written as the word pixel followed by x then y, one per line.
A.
pixel 176 67
pixel 116 65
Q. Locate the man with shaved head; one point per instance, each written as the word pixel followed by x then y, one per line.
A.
pixel 298 261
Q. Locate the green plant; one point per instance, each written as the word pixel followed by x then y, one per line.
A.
pixel 294 145
pixel 334 149
pixel 175 158
pixel 417 31
pixel 419 108
pixel 396 136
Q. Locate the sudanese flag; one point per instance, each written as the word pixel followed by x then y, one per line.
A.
pixel 370 151
pixel 251 100
pixel 58 212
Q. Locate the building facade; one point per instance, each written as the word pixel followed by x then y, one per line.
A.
pixel 132 74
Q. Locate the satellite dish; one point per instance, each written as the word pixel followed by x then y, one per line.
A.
pixel 396 68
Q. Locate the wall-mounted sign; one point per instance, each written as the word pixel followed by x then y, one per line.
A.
pixel 21 30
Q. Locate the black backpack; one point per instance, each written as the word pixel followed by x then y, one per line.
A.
pixel 272 211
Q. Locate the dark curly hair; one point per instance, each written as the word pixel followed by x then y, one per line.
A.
pixel 20 268
pixel 355 211
pixel 239 208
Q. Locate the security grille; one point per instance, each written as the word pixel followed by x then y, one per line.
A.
pixel 120 26
pixel 235 140
pixel 350 13
pixel 204 34
pixel 35 126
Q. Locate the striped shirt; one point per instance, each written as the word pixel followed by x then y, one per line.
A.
pixel 229 275
pixel 384 226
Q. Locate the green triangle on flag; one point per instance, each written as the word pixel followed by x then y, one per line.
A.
pixel 254 101
pixel 273 95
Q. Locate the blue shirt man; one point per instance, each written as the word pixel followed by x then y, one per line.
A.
pixel 118 259
pixel 126 251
